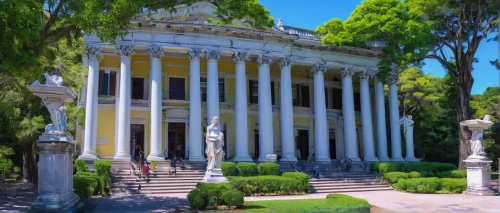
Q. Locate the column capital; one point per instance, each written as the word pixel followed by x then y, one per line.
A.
pixel 340 121
pixel 124 50
pixel 392 79
pixel 319 67
pixel 264 59
pixel 94 53
pixel 347 71
pixel 155 51
pixel 286 61
pixel 211 54
pixel 194 53
pixel 367 74
pixel 239 56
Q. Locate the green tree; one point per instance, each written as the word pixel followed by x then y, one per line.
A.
pixel 417 91
pixel 413 30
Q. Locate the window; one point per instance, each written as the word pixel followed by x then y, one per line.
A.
pixel 337 98
pixel 295 94
pixel 305 95
pixel 300 95
pixel 203 89
pixel 176 89
pixel 326 97
pixel 107 83
pixel 357 102
pixel 138 88
pixel 254 92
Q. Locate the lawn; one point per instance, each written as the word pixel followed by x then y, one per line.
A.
pixel 333 203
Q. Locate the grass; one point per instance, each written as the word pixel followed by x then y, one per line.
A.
pixel 333 203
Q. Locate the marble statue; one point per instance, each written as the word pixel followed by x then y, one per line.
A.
pixel 53 80
pixel 476 142
pixel 215 144
pixel 56 108
pixel 408 123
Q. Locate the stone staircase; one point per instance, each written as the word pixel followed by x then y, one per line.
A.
pixel 334 180
pixel 161 181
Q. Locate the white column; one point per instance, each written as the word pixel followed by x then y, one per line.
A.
pixel 321 144
pixel 212 57
pixel 380 116
pixel 366 117
pixel 123 143
pixel 91 105
pixel 155 53
pixel 339 137
pixel 266 134
pixel 241 108
pixel 286 109
pixel 195 131
pixel 394 113
pixel 350 136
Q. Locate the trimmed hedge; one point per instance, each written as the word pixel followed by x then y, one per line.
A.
pixel 414 175
pixel 228 168
pixel 302 177
pixel 268 185
pixel 85 186
pixel 81 166
pixel 196 199
pixel 389 167
pixel 247 169
pixel 102 167
pixel 452 185
pixel 412 167
pixel 418 185
pixel 269 168
pixel 394 177
pixel 452 174
pixel 213 192
pixel 232 197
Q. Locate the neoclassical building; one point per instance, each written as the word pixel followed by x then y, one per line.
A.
pixel 277 91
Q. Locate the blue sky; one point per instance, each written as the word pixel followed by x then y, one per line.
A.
pixel 311 13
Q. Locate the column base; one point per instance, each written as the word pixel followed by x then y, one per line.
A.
pixel 290 158
pixel 354 158
pixel 197 159
pixel 122 156
pixel 156 157
pixel 384 159
pixel 57 203
pixel 88 156
pixel 400 159
pixel 323 159
pixel 372 159
pixel 242 158
pixel 411 159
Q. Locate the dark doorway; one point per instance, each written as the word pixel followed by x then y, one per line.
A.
pixel 256 145
pixel 138 88
pixel 303 144
pixel 136 140
pixel 176 139
pixel 333 149
pixel 177 89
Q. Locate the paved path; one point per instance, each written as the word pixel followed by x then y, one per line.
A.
pixel 142 203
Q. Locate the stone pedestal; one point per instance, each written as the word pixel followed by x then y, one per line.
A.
pixel 478 177
pixel 55 177
pixel 215 176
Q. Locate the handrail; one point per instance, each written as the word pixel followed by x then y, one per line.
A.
pixel 362 164
pixel 291 164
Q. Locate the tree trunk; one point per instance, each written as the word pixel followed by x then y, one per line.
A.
pixel 30 167
pixel 463 113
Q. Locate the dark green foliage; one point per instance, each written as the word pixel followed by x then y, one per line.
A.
pixel 213 192
pixel 85 186
pixel 233 198
pixel 81 166
pixel 441 167
pixel 389 167
pixel 228 168
pixel 426 174
pixel 302 177
pixel 267 185
pixel 418 185
pixel 394 177
pixel 269 168
pixel 374 166
pixel 452 174
pixel 247 169
pixel 6 166
pixel 196 199
pixel 431 167
pixel 452 185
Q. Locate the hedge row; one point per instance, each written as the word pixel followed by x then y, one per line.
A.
pixel 432 185
pixel 435 167
pixel 250 169
pixel 86 183
pixel 394 177
pixel 213 195
pixel 269 185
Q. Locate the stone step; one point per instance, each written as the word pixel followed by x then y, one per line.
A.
pixel 154 184
pixel 347 186
pixel 352 190
pixel 135 191
pixel 341 179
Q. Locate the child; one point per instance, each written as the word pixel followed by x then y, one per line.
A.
pixel 316 170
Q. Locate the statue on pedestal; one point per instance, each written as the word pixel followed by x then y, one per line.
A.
pixel 408 124
pixel 476 141
pixel 215 145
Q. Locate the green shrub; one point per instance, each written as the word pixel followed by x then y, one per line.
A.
pixel 267 185
pixel 6 166
pixel 302 177
pixel 452 185
pixel 196 199
pixel 247 169
pixel 102 167
pixel 374 166
pixel 426 174
pixel 393 177
pixel 233 198
pixel 415 175
pixel 84 186
pixel 213 192
pixel 81 166
pixel 452 174
pixel 418 185
pixel 389 167
pixel 228 168
pixel 268 168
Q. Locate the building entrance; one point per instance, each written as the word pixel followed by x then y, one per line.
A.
pixel 177 139
pixel 136 140
pixel 303 144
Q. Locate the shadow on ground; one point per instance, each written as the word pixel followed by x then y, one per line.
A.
pixel 141 203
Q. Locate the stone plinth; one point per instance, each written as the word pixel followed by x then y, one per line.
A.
pixel 215 176
pixel 55 177
pixel 271 158
pixel 479 177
